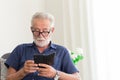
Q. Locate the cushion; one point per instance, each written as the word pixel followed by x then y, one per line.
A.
pixel 3 69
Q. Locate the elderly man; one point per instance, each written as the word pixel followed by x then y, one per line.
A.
pixel 21 65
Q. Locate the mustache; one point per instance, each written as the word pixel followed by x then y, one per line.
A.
pixel 40 39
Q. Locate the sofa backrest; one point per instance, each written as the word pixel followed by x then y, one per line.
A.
pixel 5 56
pixel 3 68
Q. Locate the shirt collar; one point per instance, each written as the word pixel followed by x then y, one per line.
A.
pixel 52 45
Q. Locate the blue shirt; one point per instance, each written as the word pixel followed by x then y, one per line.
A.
pixel 23 52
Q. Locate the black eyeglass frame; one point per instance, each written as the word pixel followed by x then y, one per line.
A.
pixel 44 33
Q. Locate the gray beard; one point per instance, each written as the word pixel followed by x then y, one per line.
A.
pixel 42 43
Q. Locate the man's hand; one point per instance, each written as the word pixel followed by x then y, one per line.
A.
pixel 48 71
pixel 30 67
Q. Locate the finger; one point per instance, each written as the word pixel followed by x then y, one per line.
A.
pixel 29 61
pixel 42 69
pixel 32 68
pixel 31 71
pixel 32 65
pixel 44 65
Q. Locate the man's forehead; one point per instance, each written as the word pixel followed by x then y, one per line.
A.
pixel 41 20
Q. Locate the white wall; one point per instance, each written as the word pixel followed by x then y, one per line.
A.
pixel 15 16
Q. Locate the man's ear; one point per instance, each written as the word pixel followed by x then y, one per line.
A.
pixel 31 28
pixel 53 29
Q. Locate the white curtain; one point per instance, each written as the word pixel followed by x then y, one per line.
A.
pixel 76 33
pixel 72 30
pixel 106 17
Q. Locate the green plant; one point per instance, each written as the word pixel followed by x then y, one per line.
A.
pixel 77 55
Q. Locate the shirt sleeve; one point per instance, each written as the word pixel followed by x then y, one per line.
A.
pixel 68 65
pixel 14 59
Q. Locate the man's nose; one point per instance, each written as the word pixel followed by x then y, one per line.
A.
pixel 40 34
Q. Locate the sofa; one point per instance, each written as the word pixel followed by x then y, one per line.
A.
pixel 3 69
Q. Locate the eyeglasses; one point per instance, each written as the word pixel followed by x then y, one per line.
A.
pixel 36 32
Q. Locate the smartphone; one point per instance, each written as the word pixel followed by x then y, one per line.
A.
pixel 44 58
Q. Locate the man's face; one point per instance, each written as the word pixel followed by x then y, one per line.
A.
pixel 41 32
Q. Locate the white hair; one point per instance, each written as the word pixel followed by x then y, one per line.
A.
pixel 43 15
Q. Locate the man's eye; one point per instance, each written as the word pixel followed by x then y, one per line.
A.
pixel 45 31
pixel 36 30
